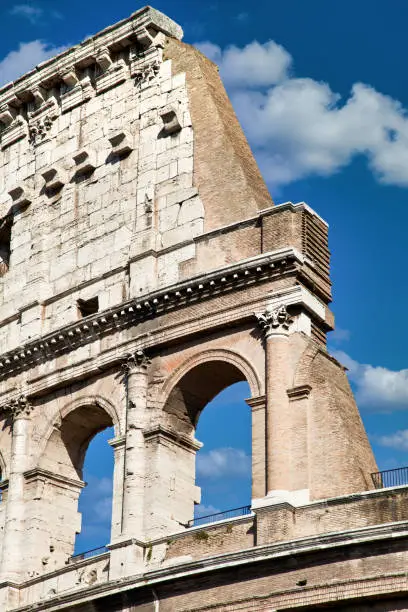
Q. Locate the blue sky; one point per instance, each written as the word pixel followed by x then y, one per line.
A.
pixel 321 91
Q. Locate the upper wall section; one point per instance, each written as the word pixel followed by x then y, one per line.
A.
pixel 116 157
pixel 225 171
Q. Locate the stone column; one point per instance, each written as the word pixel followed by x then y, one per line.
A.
pixel 13 553
pixel 136 380
pixel 275 325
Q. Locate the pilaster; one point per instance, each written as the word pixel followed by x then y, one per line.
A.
pixel 258 419
pixel 299 398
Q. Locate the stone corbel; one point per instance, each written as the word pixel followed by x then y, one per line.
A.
pixel 121 143
pixel 70 78
pixel 170 120
pixel 38 94
pixel 7 114
pixel 85 162
pixel 54 177
pixel 104 60
pixel 143 38
pixel 159 40
pixel 21 195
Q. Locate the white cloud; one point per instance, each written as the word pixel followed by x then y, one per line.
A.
pixel 242 17
pixel 203 510
pixel 339 335
pixel 25 58
pixel 397 440
pixel 377 386
pixel 223 462
pixel 28 11
pixel 255 65
pixel 34 14
pixel 299 127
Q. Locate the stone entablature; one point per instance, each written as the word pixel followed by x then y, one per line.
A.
pixel 141 27
pixel 197 289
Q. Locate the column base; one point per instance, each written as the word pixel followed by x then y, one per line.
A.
pixel 280 496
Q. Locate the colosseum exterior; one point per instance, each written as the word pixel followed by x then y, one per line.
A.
pixel 144 268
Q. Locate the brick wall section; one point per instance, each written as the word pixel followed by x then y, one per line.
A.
pixel 307 233
pixel 279 230
pixel 224 248
pixel 274 585
pixel 284 522
pixel 213 540
pixel 340 454
pixel 228 178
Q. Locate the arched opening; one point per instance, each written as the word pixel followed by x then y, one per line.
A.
pixel 84 428
pixel 199 386
pixel 223 468
pixel 95 500
pixel 192 392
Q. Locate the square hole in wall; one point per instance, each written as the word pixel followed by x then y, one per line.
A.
pixel 88 307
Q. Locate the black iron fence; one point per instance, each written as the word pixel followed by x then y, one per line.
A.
pixel 390 478
pixel 94 552
pixel 219 516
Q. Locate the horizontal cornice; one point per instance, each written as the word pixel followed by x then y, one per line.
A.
pixel 117 36
pixel 202 287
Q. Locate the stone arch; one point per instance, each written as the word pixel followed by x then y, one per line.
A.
pixel 96 400
pixel 71 430
pixel 82 401
pixel 198 380
pixel 171 445
pixel 232 357
pixel 60 470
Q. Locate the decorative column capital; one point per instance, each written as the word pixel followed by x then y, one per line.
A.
pixel 19 408
pixel 137 360
pixel 274 322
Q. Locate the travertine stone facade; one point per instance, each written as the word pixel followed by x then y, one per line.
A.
pixel 143 269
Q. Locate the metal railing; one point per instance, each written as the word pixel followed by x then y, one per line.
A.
pixel 94 552
pixel 219 516
pixel 390 478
